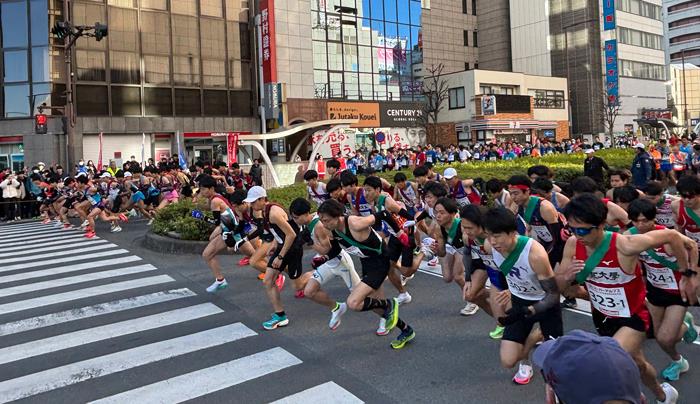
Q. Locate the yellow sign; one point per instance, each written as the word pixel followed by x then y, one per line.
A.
pixel 367 113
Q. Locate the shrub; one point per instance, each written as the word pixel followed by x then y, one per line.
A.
pixel 177 218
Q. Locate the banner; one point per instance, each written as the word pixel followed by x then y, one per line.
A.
pixel 232 148
pixel 338 142
pixel 181 157
pixel 611 73
pixel 99 155
pixel 609 14
pixel 269 47
pixel 488 105
pixel 143 149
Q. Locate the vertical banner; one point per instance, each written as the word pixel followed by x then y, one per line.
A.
pixel 269 48
pixel 611 72
pixel 99 155
pixel 232 147
pixel 609 14
pixel 143 149
pixel 181 157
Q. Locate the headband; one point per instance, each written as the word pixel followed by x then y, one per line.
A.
pixel 520 187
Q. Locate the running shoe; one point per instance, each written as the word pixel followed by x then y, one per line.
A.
pixel 57 223
pixel 524 374
pixel 261 276
pixel 405 279
pixel 469 310
pixel 150 222
pixel 691 334
pixel 67 226
pixel 426 249
pixel 217 286
pixel 46 221
pixel 116 229
pixel 84 224
pixel 336 315
pixel 123 218
pixel 671 394
pixel 404 338
pixel 497 333
pixel 674 369
pixel 404 298
pixel 568 303
pixel 381 330
pixel 299 294
pixel 391 314
pixel 280 282
pixel 244 261
pixel 132 213
pixel 276 321
pixel 90 234
pixel 433 262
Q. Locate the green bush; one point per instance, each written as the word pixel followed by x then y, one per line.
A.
pixel 177 218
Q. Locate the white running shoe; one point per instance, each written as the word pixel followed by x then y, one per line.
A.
pixel 404 298
pixel 116 229
pixel 405 279
pixel 434 262
pixel 381 330
pixel 150 222
pixel 671 394
pixel 524 374
pixel 217 286
pixel 85 224
pixel 336 316
pixel 469 310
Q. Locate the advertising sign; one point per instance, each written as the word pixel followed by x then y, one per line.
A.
pixel 269 48
pixel 232 147
pixel 488 105
pixel 609 14
pixel 629 128
pixel 400 114
pixel 338 142
pixel 273 100
pixel 612 85
pixel 366 112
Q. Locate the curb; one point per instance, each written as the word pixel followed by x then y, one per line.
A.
pixel 169 245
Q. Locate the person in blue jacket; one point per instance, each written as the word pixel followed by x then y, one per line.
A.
pixel 642 166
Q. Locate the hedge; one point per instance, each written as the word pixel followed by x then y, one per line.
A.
pixel 177 218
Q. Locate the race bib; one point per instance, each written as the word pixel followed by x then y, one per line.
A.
pixel 522 288
pixel 611 302
pixel 462 201
pixel 661 278
pixel 542 233
pixel 665 220
pixel 355 251
pixel 693 235
pixel 450 250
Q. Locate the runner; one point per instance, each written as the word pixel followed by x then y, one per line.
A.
pixel 500 196
pixel 355 195
pixel 618 178
pixel 545 188
pixel 356 236
pixel 623 196
pixel 325 269
pixel 672 322
pixel 333 169
pixel 98 209
pixel 606 263
pixel 686 212
pixel 617 220
pixel 315 189
pixel 407 193
pixel 532 295
pixel 462 191
pixel 654 192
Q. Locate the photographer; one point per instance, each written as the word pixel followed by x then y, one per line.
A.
pixel 10 194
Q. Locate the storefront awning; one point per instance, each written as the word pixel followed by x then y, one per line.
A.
pixel 496 124
pixel 657 123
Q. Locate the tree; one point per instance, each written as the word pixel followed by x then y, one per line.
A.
pixel 611 109
pixel 435 92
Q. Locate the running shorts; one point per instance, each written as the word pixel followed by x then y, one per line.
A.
pixel 661 298
pixel 137 196
pixel 609 326
pixel 395 250
pixel 340 266
pixel 291 261
pixel 374 270
pixel 550 323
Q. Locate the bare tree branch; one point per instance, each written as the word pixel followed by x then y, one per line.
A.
pixel 435 93
pixel 611 110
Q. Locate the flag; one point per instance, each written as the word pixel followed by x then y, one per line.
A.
pixel 143 149
pixel 180 153
pixel 99 156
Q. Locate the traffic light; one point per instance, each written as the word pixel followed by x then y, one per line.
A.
pixel 100 31
pixel 62 29
pixel 40 124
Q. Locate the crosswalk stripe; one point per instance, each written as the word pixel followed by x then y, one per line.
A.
pixel 40 382
pixel 22 233
pixel 44 247
pixel 68 238
pixel 82 293
pixel 39 237
pixel 87 336
pixel 68 268
pixel 205 381
pixel 12 227
pixel 73 280
pixel 59 253
pixel 25 224
pixel 26 265
pixel 323 393
pixel 114 306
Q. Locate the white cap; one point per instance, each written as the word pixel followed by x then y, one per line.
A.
pixel 127 174
pixel 589 151
pixel 449 173
pixel 255 193
pixel 639 146
pixel 41 164
pixel 106 175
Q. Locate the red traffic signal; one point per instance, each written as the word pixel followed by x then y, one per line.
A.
pixel 40 121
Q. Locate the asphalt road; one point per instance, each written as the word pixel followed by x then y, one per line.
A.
pixel 187 344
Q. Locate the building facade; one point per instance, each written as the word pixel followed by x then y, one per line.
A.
pixel 685 94
pixel 486 106
pixel 166 67
pixel 682 28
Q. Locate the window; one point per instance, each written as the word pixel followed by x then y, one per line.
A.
pixel 211 8
pixel 125 67
pixel 485 90
pixel 547 99
pixel 473 7
pixel 685 38
pixel 215 103
pixel 15 66
pixel 684 6
pixel 240 103
pixel 158 101
pixel 475 41
pixel 187 103
pixel 464 7
pixel 188 7
pixel 476 66
pixel 157 69
pixel 91 100
pixel 16 98
pixel 456 98
pixel 641 70
pixel 14 24
pixel 685 21
pixel 638 38
pixel 90 65
pixel 155 33
pixel 640 7
pixel 185 70
pixel 466 66
pixel 466 38
pixel 126 101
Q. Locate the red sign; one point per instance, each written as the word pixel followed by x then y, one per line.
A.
pixel 99 156
pixel 232 147
pixel 211 134
pixel 269 51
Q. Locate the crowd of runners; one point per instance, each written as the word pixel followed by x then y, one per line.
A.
pixel 514 248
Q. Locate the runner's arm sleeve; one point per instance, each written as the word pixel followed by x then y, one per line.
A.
pixel 255 234
pixel 384 216
pixel 555 255
pixel 404 214
pixel 335 250
pixel 468 263
pixel 423 215
pixel 551 298
pixel 216 220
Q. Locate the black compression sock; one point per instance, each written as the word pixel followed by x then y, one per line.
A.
pixel 401 325
pixel 280 313
pixel 371 304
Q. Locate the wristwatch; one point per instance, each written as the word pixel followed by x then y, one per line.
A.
pixel 281 257
pixel 689 273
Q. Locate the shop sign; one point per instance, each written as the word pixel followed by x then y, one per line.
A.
pixel 401 114
pixel 611 72
pixel 629 128
pixel 609 14
pixel 656 113
pixel 273 100
pixel 549 133
pixel 269 48
pixel 367 113
pixel 232 147
pixel 338 142
pixel 488 105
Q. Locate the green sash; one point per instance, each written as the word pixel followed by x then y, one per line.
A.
pixel 661 260
pixel 380 203
pixel 531 205
pixel 512 258
pixel 692 215
pixel 595 258
pixel 313 224
pixel 452 233
pixel 356 243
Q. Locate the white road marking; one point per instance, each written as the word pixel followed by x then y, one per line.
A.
pixel 59 253
pixel 20 234
pixel 323 393
pixel 206 381
pixel 68 238
pixel 68 268
pixel 37 238
pixel 115 306
pixel 40 382
pixel 44 247
pixel 26 265
pixel 82 294
pixel 10 227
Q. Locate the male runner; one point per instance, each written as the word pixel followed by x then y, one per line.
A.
pixel 654 192
pixel 623 196
pixel 686 212
pixel 545 188
pixel 617 219
pixel 500 195
pixel 315 189
pixel 356 235
pixel 532 295
pixel 668 311
pixel 333 169
pixel 618 178
pixel 355 195
pixel 407 193
pixel 606 263
pixel 462 191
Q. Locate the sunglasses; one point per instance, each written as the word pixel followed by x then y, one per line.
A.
pixel 687 195
pixel 581 231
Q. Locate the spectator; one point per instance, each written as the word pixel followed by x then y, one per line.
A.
pixel 593 166
pixel 113 169
pixel 641 167
pixel 256 173
pixel 10 195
